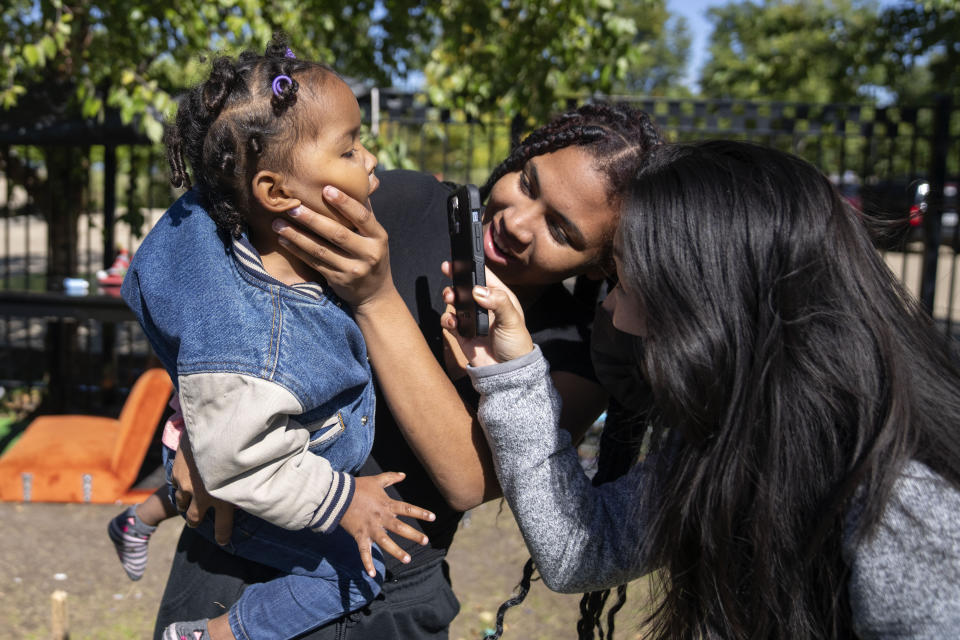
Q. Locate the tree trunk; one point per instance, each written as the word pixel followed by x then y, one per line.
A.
pixel 67 170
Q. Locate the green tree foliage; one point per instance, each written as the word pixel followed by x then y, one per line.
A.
pixel 805 50
pixel 659 51
pixel 134 55
pixel 920 42
pixel 834 50
pixel 526 56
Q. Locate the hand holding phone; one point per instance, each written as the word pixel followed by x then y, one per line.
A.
pixel 466 259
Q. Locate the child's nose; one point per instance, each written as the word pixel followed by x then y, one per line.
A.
pixel 371 161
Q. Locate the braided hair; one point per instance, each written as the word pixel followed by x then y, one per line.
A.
pixel 238 121
pixel 618 137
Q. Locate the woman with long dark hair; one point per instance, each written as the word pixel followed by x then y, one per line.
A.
pixel 803 473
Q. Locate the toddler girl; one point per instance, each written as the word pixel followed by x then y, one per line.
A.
pixel 271 372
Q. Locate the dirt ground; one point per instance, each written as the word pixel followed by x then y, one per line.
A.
pixel 46 547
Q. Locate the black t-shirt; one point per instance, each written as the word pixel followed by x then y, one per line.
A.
pixel 411 206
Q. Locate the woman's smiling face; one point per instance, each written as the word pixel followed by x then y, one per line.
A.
pixel 551 220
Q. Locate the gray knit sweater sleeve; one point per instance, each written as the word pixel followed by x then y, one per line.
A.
pixel 905 579
pixel 581 537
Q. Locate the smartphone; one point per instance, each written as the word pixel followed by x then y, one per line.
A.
pixel 466 259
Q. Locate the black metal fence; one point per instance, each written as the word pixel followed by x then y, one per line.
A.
pixel 85 355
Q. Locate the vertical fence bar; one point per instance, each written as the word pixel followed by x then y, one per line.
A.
pixel 26 228
pixel 109 201
pixel 939 145
pixel 445 143
pixel 8 193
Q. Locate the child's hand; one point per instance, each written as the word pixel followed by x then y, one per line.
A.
pixel 372 513
pixel 508 337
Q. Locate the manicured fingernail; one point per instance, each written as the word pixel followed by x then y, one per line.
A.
pixel 483 292
pixel 279 225
pixel 283 241
pixel 406 559
pixel 432 517
pixel 372 573
pixel 294 212
pixel 331 192
pixel 425 540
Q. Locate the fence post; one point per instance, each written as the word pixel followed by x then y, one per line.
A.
pixel 109 202
pixel 59 625
pixel 939 144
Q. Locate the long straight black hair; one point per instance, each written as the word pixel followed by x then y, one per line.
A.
pixel 794 372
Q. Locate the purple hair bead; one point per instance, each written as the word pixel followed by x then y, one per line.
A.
pixel 289 53
pixel 277 84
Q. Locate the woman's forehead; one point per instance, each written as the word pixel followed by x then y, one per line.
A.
pixel 570 182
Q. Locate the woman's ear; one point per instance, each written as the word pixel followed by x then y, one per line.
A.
pixel 271 194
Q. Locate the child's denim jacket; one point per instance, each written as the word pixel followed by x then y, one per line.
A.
pixel 274 381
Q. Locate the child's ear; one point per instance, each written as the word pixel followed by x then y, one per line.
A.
pixel 270 192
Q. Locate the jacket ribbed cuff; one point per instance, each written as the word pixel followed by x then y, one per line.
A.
pixel 331 510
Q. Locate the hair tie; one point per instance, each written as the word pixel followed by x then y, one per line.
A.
pixel 289 53
pixel 277 88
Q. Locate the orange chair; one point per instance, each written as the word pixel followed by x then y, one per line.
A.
pixel 86 458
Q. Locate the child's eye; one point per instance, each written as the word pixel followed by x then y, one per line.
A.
pixel 349 154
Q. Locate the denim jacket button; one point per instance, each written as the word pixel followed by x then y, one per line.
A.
pixel 363 420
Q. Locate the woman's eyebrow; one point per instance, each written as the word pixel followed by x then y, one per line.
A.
pixel 573 231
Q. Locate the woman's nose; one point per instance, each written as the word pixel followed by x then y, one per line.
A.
pixel 610 301
pixel 519 223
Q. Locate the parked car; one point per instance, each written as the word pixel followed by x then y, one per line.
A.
pixel 897 209
pixel 949 230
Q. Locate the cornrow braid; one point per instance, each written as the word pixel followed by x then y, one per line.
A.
pixel 235 123
pixel 617 135
pixel 620 446
pixel 522 589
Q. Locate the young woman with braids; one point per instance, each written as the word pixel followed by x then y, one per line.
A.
pixel 551 209
pixel 274 387
pixel 804 474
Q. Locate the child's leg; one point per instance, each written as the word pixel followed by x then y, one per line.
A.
pixel 291 605
pixel 318 591
pixel 325 579
pixel 215 629
pixel 130 531
pixel 156 508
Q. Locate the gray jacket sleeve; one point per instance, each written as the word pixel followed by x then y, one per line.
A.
pixel 249 451
pixel 581 537
pixel 905 579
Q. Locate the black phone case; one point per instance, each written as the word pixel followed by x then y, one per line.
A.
pixel 466 253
